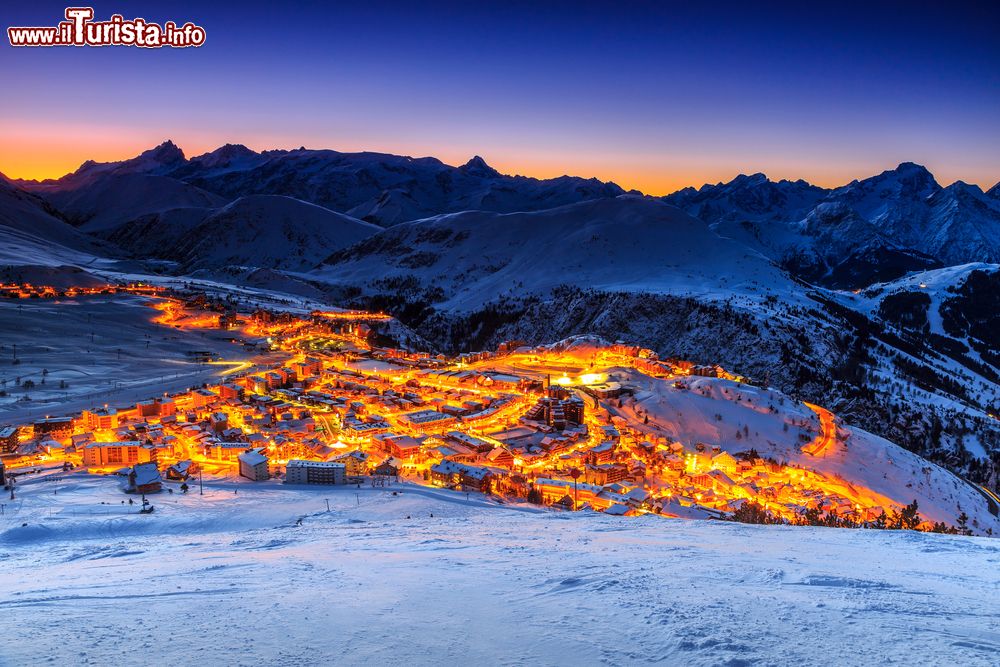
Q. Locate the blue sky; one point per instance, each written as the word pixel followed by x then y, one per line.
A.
pixel 655 96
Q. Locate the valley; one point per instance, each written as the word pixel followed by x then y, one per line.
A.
pixel 579 424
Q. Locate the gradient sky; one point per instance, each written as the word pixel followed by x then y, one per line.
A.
pixel 654 96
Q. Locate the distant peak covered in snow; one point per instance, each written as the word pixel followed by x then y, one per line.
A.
pixel 477 167
pixel 963 187
pixel 871 229
pixel 908 178
pixel 166 153
pixel 225 155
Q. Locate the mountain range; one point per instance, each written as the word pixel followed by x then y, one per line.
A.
pixel 374 187
pixel 873 229
pixel 876 298
pixel 868 230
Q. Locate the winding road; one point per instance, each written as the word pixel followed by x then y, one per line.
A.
pixel 825 443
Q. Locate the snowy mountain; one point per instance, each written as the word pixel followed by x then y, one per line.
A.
pixel 627 244
pixel 100 196
pixel 869 230
pixel 380 188
pixel 754 198
pixel 266 231
pixel 636 269
pixel 32 231
pixel 956 310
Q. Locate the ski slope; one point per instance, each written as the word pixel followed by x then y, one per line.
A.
pixel 228 578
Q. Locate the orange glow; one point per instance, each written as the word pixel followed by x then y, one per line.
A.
pixel 342 394
pixel 40 150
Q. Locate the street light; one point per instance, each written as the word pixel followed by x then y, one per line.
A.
pixel 575 474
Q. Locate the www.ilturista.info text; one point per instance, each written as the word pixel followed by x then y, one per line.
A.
pixel 79 29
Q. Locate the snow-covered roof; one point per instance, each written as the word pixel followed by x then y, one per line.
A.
pixel 254 457
pixel 146 473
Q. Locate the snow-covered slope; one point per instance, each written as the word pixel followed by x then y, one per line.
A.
pixel 627 244
pixel 638 270
pixel 738 417
pixel 115 198
pixel 100 196
pixel 32 233
pixel 257 231
pixel 412 576
pixel 958 307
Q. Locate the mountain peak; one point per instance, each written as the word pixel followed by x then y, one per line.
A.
pixel 914 173
pixel 756 178
pixel 910 166
pixel 477 167
pixel 741 181
pixel 962 186
pixel 908 179
pixel 165 153
pixel 994 192
pixel 224 155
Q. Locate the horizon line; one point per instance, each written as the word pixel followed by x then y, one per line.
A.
pixel 504 171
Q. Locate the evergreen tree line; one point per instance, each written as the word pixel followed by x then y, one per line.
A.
pixel 907 518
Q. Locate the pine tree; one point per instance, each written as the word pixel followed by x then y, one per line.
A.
pixel 908 518
pixel 963 524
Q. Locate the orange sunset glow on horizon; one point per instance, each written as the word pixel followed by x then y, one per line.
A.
pixel 40 152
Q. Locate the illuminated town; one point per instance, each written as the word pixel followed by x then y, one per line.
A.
pixel 319 403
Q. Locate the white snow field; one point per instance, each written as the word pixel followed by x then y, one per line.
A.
pixel 436 577
pixel 106 348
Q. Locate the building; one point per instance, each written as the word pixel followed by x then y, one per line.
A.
pixel 356 463
pixel 388 468
pixel 315 472
pixel 309 367
pixel 500 457
pixel 724 461
pixel 125 453
pixel 181 470
pixel 145 478
pixel 469 477
pixel 428 419
pixel 155 408
pixel 559 409
pixel 602 453
pixel 230 390
pixel 605 390
pixel 58 427
pixel 400 446
pixel 477 444
pixel 554 490
pixel 225 451
pixel 605 473
pixel 101 418
pixel 8 439
pixel 253 465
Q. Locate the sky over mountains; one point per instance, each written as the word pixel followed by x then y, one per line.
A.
pixel 655 98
